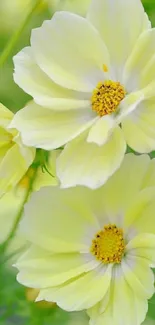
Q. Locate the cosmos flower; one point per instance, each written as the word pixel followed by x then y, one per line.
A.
pixel 94 250
pixel 15 157
pixel 93 83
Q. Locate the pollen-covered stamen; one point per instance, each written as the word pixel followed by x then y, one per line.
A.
pixel 107 96
pixel 108 245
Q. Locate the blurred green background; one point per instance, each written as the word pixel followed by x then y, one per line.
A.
pixel 15 305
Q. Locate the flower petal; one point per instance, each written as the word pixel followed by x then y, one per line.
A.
pixel 5 116
pixel 115 197
pixel 81 293
pixel 147 254
pixel 70 51
pixel 139 127
pixel 57 221
pixel 101 130
pixel 43 128
pixel 138 275
pixel 5 142
pixel 139 70
pixel 149 180
pixel 83 163
pixel 39 268
pixel 124 306
pixel 140 215
pixel 45 92
pixel 10 175
pixel 143 246
pixel 142 241
pixel 120 23
pixel 99 308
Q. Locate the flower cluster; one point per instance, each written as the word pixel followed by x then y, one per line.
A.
pixel 88 204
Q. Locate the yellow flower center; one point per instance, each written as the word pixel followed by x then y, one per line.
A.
pixel 108 245
pixel 107 96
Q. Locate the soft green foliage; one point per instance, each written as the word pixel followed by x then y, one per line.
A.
pixel 14 307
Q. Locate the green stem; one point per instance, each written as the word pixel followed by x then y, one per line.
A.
pixel 15 37
pixel 20 213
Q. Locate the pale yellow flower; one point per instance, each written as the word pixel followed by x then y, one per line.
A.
pixel 94 250
pixel 15 157
pixel 80 7
pixel 93 84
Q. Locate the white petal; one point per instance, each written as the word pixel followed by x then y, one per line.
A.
pixel 81 293
pixel 140 216
pixel 139 127
pixel 115 197
pixel 5 142
pixel 5 116
pixel 39 268
pixel 44 128
pixel 124 306
pixel 99 308
pixel 45 92
pixel 83 163
pixel 147 254
pixel 27 153
pixel 143 246
pixel 101 130
pixel 120 23
pixel 139 70
pixel 12 167
pixel 57 221
pixel 149 179
pixel 143 240
pixel 138 275
pixel 70 51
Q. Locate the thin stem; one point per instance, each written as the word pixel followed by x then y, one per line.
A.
pixel 15 37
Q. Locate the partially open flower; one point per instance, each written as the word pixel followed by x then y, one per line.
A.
pixel 15 157
pixel 93 84
pixel 95 249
